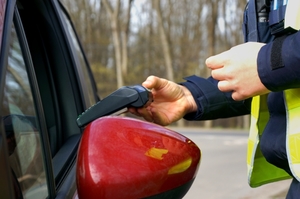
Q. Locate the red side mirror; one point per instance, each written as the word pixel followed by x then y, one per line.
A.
pixel 124 158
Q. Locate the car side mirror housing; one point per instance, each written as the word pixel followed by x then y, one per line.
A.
pixel 126 158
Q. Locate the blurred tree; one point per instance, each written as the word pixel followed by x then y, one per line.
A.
pixel 164 39
pixel 93 28
pixel 119 28
pixel 167 38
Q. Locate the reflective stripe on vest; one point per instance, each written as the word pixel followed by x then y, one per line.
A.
pixel 292 102
pixel 259 170
pixel 292 16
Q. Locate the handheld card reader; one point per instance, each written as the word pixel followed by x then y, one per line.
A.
pixel 117 102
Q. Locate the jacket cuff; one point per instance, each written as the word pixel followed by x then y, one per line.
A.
pixel 281 70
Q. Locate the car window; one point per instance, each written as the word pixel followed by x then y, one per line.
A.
pixel 22 132
pixel 86 78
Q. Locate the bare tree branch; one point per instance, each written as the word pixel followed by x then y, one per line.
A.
pixel 116 39
pixel 164 41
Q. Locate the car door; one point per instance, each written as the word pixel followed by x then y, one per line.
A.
pixel 45 83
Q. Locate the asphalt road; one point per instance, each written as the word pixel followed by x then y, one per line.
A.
pixel 223 172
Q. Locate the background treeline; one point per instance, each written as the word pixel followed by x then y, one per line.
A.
pixel 127 40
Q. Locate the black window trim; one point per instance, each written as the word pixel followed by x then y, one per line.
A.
pixel 65 158
pixel 54 190
pixel 38 105
pixel 6 176
pixel 50 13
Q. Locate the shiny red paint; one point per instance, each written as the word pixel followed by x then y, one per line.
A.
pixel 124 158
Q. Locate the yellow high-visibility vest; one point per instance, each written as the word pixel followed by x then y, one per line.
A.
pixel 259 170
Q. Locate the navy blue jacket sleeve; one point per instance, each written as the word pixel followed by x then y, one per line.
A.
pixel 211 102
pixel 285 76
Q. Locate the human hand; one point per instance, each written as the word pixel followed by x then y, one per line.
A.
pixel 236 70
pixel 171 102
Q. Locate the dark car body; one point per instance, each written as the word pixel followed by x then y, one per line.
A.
pixel 46 83
pixel 44 77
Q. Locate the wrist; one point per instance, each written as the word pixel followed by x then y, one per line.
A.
pixel 191 105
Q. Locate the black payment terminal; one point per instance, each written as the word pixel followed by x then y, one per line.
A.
pixel 127 96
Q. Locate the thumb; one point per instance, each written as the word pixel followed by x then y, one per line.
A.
pixel 151 82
